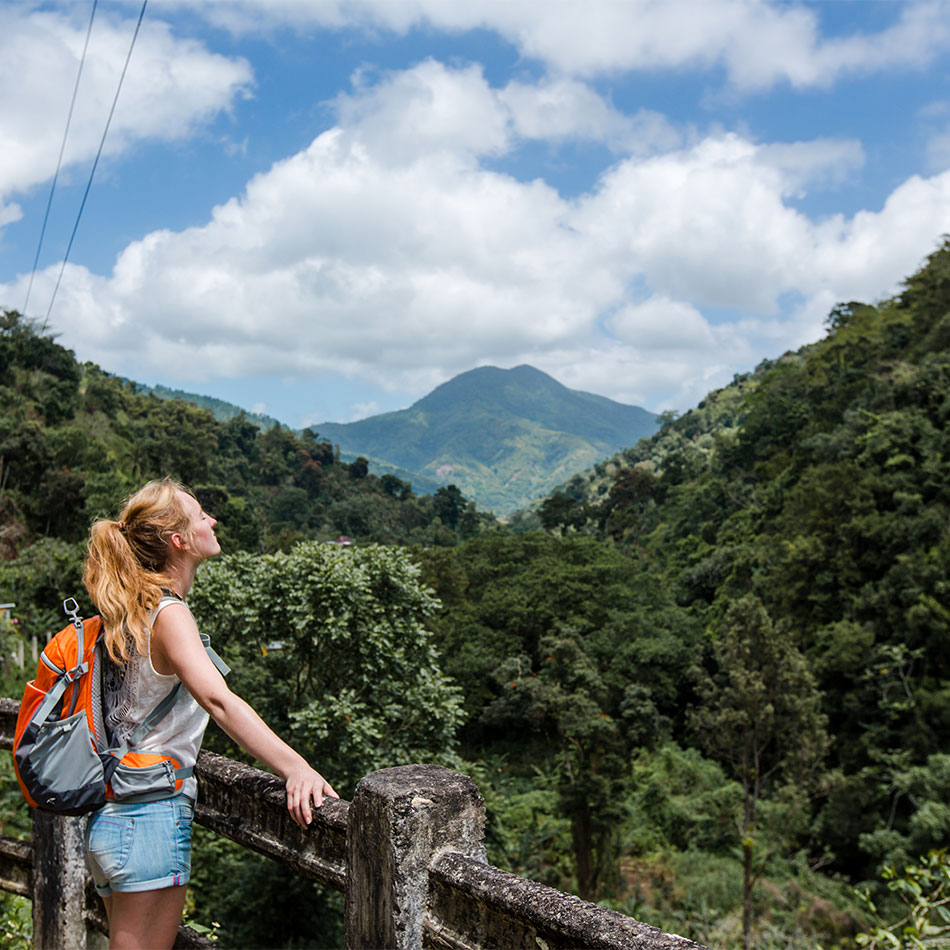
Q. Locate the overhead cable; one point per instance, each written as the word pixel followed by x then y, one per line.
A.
pixel 59 163
pixel 92 173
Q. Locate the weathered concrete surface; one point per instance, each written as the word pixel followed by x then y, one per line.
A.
pixel 59 882
pixel 400 820
pixel 473 904
pixel 16 866
pixel 250 807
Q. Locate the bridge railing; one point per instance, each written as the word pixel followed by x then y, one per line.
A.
pixel 408 853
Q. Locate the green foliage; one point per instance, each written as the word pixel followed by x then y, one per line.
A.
pixel 760 711
pixel 761 716
pixel 15 817
pixel 564 702
pixel 563 512
pixel 569 660
pixel 914 796
pixel 923 891
pixel 330 645
pixel 517 589
pixel 248 900
pixel 677 799
pixel 818 484
pixel 16 922
pixel 38 582
pixel 16 913
pixel 224 411
pixel 526 831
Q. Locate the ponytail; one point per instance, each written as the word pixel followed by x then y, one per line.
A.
pixel 126 566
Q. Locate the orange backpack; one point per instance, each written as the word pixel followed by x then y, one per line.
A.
pixel 65 759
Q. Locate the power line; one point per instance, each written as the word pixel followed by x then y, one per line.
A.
pixel 59 163
pixel 92 173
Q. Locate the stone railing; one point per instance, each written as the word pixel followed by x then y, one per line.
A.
pixel 408 853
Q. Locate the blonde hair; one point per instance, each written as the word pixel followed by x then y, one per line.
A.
pixel 126 565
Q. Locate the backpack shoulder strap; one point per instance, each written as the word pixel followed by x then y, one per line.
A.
pixel 154 717
pixel 220 665
pixel 71 609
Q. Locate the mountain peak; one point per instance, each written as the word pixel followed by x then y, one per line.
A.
pixel 489 383
pixel 504 436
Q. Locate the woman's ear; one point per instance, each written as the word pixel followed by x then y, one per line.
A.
pixel 178 541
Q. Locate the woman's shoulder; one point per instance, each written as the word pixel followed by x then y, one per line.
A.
pixel 168 599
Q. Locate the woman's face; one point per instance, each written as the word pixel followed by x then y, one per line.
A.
pixel 201 541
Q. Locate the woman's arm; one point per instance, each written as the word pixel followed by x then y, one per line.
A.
pixel 177 648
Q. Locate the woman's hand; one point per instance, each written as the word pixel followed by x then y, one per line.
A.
pixel 302 786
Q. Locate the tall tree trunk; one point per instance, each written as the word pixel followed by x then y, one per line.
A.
pixel 583 853
pixel 747 892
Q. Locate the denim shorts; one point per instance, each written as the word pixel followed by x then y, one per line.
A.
pixel 140 847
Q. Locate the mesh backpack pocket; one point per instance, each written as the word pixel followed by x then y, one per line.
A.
pixel 57 764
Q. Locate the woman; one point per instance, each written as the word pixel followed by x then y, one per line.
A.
pixel 138 572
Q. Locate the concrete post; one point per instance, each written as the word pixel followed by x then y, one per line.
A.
pixel 59 882
pixel 400 822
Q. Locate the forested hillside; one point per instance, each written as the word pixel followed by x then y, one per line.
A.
pixel 796 523
pixel 705 682
pixel 819 486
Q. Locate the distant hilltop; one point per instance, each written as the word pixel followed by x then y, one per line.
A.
pixel 504 436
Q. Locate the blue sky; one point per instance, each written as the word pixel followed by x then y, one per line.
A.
pixel 322 210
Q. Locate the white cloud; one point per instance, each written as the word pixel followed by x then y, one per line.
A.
pixel 423 110
pixel 711 225
pixel 707 224
pixel 756 43
pixel 641 378
pixel 566 109
pixel 402 266
pixel 820 161
pixel 172 85
pixel 431 108
pixel 10 213
pixel 934 119
pixel 661 324
pixel 362 410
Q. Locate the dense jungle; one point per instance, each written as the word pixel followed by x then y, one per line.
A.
pixel 705 683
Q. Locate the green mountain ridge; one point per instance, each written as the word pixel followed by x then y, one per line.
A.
pixel 221 409
pixel 504 437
